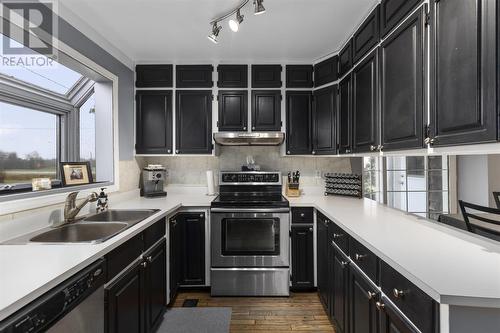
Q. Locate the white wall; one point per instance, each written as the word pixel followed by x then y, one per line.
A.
pixel 472 179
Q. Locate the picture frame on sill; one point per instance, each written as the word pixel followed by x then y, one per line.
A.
pixel 76 173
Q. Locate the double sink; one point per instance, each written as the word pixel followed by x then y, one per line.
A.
pixel 91 229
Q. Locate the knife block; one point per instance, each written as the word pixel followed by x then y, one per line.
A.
pixel 292 190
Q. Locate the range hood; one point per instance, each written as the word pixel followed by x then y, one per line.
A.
pixel 249 138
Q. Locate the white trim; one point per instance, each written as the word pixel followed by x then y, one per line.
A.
pixel 13 206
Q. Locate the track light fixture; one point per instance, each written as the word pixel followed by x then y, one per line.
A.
pixel 259 7
pixel 215 32
pixel 234 23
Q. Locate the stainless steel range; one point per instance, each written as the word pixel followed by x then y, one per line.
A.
pixel 250 223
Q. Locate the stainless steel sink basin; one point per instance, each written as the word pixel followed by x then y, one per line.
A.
pixel 118 215
pixel 81 232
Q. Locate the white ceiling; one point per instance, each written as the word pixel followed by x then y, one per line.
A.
pixel 176 30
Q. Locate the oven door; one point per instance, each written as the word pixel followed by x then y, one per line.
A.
pixel 250 237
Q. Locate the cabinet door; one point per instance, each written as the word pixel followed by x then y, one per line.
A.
pixel 322 258
pixel 345 59
pixel 402 78
pixel 326 71
pixel 266 110
pixel 194 76
pixel 364 107
pixel 391 321
pixel 175 261
pixel 193 248
pixel 340 290
pixel 345 115
pixel 324 121
pixel 266 76
pixel 154 122
pixel 463 103
pixel 193 114
pixel 124 302
pixel 299 76
pixel 232 76
pixel 156 286
pixel 233 110
pixel 298 122
pixel 157 76
pixel 367 36
pixel 362 306
pixel 392 12
pixel 302 257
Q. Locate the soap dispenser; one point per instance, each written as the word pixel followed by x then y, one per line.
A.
pixel 102 201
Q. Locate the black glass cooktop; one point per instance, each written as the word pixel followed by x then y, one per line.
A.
pixel 250 200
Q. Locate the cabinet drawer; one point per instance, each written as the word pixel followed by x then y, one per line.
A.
pixel 367 36
pixel 152 234
pixel 339 236
pixel 158 76
pixel 302 215
pixel 123 256
pixel 411 300
pixel 364 259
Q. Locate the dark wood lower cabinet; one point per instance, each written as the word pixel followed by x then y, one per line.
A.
pixel 124 301
pixel 175 263
pixel 302 257
pixel 362 304
pixel 322 258
pixel 391 321
pixel 339 291
pixel 136 300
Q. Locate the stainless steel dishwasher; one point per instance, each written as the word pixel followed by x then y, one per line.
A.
pixel 76 305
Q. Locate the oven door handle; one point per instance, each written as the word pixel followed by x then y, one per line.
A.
pixel 250 210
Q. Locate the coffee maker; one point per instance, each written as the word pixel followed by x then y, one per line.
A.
pixel 153 179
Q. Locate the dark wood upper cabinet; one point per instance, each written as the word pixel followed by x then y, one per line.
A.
pixel 463 67
pixel 153 76
pixel 345 116
pixel 367 36
pixel 299 76
pixel 302 257
pixel 402 79
pixel 364 105
pixel 393 12
pixel 298 122
pixel 232 76
pixel 266 110
pixel 193 122
pixel 326 71
pixel 194 76
pixel 345 59
pixel 324 121
pixel 233 110
pixel 266 76
pixel 154 122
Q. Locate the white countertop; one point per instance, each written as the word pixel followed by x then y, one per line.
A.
pixel 449 265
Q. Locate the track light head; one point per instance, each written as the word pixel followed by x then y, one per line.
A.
pixel 235 24
pixel 215 33
pixel 259 7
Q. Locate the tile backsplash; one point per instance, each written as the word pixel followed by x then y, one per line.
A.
pixel 192 169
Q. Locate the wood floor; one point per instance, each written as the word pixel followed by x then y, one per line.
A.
pixel 299 312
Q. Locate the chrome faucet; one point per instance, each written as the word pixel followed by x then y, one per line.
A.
pixel 70 207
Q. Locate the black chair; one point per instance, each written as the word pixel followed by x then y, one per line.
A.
pixel 496 195
pixel 478 222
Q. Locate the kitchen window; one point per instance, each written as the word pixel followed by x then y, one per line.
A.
pixel 415 184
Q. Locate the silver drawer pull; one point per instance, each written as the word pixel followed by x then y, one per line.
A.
pixel 380 305
pixel 335 236
pixel 398 293
pixel 149 259
pixel 359 257
pixel 371 294
pixel 344 263
pixel 302 214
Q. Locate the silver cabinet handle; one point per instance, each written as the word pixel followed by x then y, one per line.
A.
pixel 359 257
pixel 253 128
pixel 336 236
pixel 398 293
pixel 169 151
pixel 380 147
pixel 149 259
pixel 288 152
pixel 371 295
pixel 177 151
pixel 244 128
pixel 314 152
pixel 380 305
pixel 344 263
pixel 144 264
pixel 373 148
pixel 302 214
pixel 311 229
